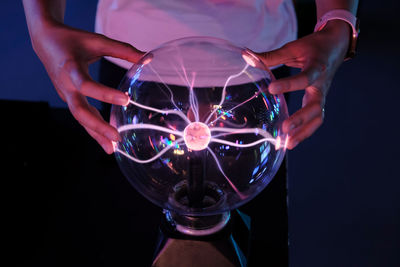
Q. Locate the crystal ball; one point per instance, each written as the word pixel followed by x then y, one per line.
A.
pixel 201 134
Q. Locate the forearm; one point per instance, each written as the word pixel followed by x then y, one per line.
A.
pixel 41 13
pixel 324 6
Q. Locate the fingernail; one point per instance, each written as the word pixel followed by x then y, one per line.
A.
pixel 147 59
pixel 249 57
pixel 292 126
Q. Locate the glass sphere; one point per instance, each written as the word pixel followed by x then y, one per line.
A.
pixel 201 135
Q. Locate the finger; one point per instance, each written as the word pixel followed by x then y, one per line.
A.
pixel 302 117
pixel 113 121
pixel 104 142
pixel 304 132
pixel 114 48
pixel 276 57
pixel 297 82
pixel 90 118
pixel 103 93
pixel 295 64
pixel 87 87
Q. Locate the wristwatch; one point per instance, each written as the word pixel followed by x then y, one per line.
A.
pixel 347 16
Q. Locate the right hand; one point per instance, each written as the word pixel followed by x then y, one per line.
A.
pixel 66 54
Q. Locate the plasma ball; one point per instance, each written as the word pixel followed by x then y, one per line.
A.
pixel 197 136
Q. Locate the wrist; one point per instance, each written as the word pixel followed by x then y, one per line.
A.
pixel 340 21
pixel 43 32
pixel 339 29
pixel 45 27
pixel 338 33
pixel 40 27
pixel 43 14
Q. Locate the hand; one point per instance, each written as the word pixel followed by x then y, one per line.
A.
pixel 318 55
pixel 66 54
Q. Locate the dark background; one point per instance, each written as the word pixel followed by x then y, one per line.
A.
pixel 344 189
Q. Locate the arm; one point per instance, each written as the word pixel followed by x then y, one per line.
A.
pixel 66 53
pixel 318 55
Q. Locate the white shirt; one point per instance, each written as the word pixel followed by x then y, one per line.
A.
pixel 261 25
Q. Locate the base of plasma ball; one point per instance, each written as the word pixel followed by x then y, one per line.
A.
pixel 212 198
pixel 228 247
pixel 197 225
pixel 197 136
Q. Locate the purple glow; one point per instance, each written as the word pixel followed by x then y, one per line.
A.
pixel 207 129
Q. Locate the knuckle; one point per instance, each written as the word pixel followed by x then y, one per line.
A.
pixel 68 65
pixel 70 68
pixel 298 120
pixel 77 112
pixel 96 43
pixel 267 56
pixel 98 128
pixel 102 40
pixel 95 38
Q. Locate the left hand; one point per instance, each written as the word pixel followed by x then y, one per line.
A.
pixel 318 55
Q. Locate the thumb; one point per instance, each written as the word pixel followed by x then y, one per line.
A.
pixel 117 49
pixel 275 57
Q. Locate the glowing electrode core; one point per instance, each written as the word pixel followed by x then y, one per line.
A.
pixel 197 135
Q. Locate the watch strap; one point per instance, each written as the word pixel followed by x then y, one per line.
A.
pixel 347 16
